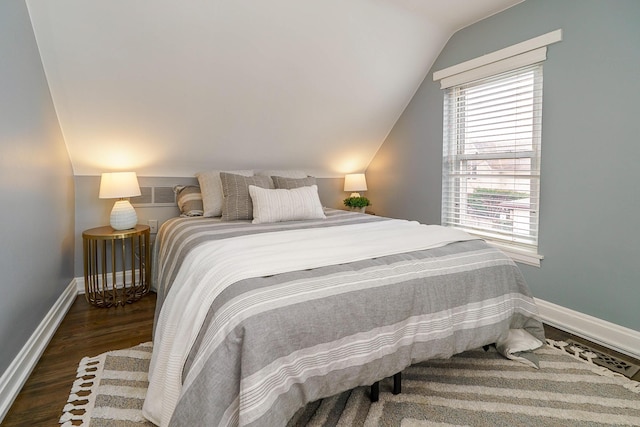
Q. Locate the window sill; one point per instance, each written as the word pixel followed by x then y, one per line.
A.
pixel 528 258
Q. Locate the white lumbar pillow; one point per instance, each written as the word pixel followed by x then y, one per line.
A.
pixel 285 205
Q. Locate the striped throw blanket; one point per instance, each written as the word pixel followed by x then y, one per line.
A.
pixel 254 321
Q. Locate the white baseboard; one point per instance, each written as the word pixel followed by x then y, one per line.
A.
pixel 19 370
pixel 610 335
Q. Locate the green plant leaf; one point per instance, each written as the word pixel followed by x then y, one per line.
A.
pixel 356 202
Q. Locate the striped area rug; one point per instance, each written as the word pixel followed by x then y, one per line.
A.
pixel 475 388
pixel 110 389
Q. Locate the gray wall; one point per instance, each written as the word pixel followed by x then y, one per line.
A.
pixel 36 183
pixel 590 200
pixel 94 212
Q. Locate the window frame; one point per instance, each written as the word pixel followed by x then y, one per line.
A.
pixel 456 157
pixel 512 58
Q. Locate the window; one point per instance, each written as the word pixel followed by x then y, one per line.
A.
pixel 491 162
pixel 492 142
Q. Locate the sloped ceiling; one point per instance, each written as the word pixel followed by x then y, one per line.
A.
pixel 170 88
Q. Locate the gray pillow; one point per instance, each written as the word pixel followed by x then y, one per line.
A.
pixel 237 202
pixel 291 183
pixel 189 200
pixel 211 188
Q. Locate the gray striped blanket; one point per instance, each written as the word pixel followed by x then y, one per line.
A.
pixel 265 346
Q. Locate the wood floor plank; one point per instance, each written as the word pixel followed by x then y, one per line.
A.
pixel 85 331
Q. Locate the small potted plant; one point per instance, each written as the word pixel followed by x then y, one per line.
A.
pixel 357 203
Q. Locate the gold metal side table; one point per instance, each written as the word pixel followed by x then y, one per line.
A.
pixel 117 265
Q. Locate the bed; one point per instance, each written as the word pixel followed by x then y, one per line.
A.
pixel 253 321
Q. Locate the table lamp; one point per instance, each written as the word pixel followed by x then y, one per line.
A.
pixel 120 185
pixel 355 182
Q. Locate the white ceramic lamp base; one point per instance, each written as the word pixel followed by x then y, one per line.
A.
pixel 123 216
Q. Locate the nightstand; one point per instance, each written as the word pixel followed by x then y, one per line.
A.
pixel 117 265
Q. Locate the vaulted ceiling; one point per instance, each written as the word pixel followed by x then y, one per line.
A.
pixel 170 88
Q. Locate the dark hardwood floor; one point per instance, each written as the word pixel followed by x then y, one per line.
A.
pixel 89 331
pixel 85 331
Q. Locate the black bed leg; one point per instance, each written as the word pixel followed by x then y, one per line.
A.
pixel 375 391
pixel 397 383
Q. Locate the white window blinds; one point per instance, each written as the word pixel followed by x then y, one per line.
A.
pixel 491 163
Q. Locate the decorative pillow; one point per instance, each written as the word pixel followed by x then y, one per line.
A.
pixel 289 183
pixel 189 200
pixel 285 205
pixel 211 188
pixel 283 173
pixel 237 202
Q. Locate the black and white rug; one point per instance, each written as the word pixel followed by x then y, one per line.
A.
pixel 475 388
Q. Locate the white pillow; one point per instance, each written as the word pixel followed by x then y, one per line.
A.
pixel 211 188
pixel 285 205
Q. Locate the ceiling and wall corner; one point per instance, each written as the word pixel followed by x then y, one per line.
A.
pixel 171 88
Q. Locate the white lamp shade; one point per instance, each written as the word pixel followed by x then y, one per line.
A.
pixel 117 185
pixel 355 182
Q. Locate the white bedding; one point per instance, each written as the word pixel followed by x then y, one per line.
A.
pixel 212 266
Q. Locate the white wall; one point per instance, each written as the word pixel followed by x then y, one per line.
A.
pixel 172 87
